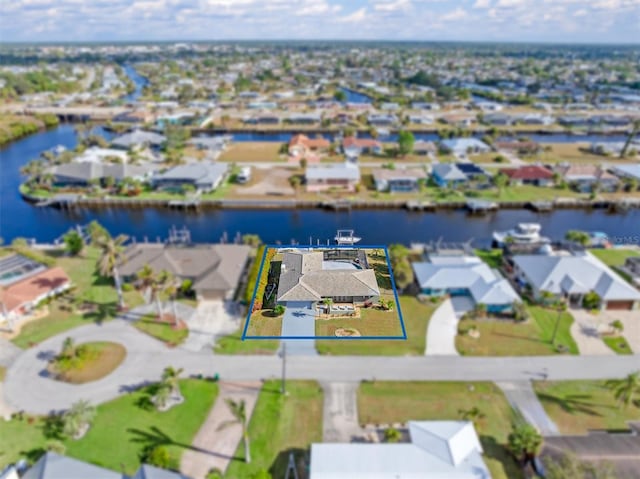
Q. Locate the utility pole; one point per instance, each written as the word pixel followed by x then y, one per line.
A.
pixel 283 355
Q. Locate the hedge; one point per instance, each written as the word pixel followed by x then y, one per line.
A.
pixel 253 277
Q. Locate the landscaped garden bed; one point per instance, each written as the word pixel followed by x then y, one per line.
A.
pixel 87 362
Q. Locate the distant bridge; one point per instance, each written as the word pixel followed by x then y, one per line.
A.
pixel 73 113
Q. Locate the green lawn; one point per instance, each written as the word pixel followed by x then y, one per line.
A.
pixel 96 291
pixel 264 323
pixel 615 258
pixel 578 406
pixel 280 425
pixel 492 257
pixel 618 344
pixel 233 344
pixel 416 316
pixel 120 431
pixel 393 402
pixel 162 331
pixel 506 338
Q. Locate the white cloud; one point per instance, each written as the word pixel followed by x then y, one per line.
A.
pixel 317 8
pixel 393 6
pixel 356 17
pixel 454 15
pixel 482 4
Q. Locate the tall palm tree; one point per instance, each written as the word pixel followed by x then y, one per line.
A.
pixel 156 283
pixel 524 442
pixel 239 411
pixel 171 289
pixel 110 258
pixel 171 377
pixel 33 170
pixel 625 389
pixel 78 417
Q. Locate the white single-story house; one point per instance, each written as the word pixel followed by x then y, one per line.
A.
pixel 466 275
pixel 461 146
pixel 402 180
pixel 204 176
pixel 574 275
pixel 344 176
pixel 438 450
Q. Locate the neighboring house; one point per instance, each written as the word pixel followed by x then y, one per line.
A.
pixel 353 146
pixel 472 171
pixel 572 276
pixel 446 174
pixel 529 175
pixel 462 146
pixel 54 466
pixel 382 119
pixel 304 118
pixel 584 177
pixel 308 276
pixel 20 298
pixel 398 180
pixel 520 147
pixel 137 139
pixel 84 173
pixel 301 145
pixel 216 270
pixel 204 176
pixel 465 275
pixel 344 176
pixel 498 119
pixel 137 116
pixel 422 147
pixel 215 144
pixel 437 450
pixel 632 268
pixel 628 171
pixel 101 155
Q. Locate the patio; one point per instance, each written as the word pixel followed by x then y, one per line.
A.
pixel 336 311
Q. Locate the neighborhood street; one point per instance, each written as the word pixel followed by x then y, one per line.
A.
pixel 28 388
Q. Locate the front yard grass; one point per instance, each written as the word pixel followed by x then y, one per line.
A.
pixel 161 330
pixel 265 323
pixel 416 316
pixel 280 425
pixel 398 402
pixel 252 151
pixel 233 344
pixel 492 257
pixel 579 406
pixel 91 288
pixel 618 344
pixel 507 338
pixel 120 432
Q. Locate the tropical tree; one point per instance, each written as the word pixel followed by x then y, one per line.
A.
pixel 500 181
pixel 171 289
pixel 625 389
pixel 617 326
pixel 239 411
pixel 406 140
pixel 73 242
pixel 110 258
pixel 77 419
pixel 156 283
pixel 580 237
pixel 171 378
pixel 251 240
pixel 524 442
pixel 472 414
pixel 96 233
pixel 68 347
pixel 391 434
pixel 33 171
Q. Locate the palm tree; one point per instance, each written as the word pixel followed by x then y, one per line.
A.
pixel 33 170
pixel 110 258
pixel 632 134
pixel 77 418
pixel 239 411
pixel 68 347
pixel 170 377
pixel 625 389
pixel 524 442
pixel 473 414
pixel 171 289
pixel 162 395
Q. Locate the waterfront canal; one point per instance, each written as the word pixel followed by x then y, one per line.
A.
pixel 21 219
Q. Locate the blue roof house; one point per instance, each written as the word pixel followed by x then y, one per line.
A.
pixel 445 174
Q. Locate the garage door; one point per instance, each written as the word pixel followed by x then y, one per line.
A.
pixel 618 305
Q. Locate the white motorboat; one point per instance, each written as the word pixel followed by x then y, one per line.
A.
pixel 346 237
pixel 523 233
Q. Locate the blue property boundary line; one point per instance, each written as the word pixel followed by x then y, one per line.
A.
pixel 359 338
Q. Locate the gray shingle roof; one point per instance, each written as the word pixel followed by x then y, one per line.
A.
pixel 344 171
pixel 448 172
pixel 139 137
pixel 55 466
pixel 197 173
pixel 86 171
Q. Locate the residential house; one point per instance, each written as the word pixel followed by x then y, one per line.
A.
pixel 344 176
pixel 422 147
pixel 632 268
pixel 529 175
pixel 631 172
pixel 311 276
pixel 585 177
pixel 382 119
pixel 353 146
pixel 465 275
pixel 214 144
pixel 304 118
pixel 462 146
pixel 472 171
pixel 96 154
pixel 498 119
pixel 404 180
pixel 572 276
pixel 436 450
pixel 420 119
pixel 85 173
pixel 446 174
pixel 137 116
pixel 138 139
pixel 520 147
pixel 301 145
pixel 216 270
pixel 203 176
pixel 18 299
pixel 55 466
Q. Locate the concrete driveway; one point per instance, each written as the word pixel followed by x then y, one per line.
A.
pixel 586 330
pixel 631 322
pixel 521 396
pixel 211 318
pixel 299 321
pixel 442 330
pixel 340 413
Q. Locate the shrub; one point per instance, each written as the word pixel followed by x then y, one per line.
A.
pixel 591 300
pixel 126 287
pixel 278 310
pixel 157 456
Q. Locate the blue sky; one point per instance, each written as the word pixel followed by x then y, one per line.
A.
pixel 583 21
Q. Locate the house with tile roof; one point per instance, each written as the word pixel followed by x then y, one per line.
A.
pixel 571 275
pixel 352 146
pixel 529 175
pixel 468 276
pixel 311 276
pixel 436 450
pixel 301 145
pixel 215 270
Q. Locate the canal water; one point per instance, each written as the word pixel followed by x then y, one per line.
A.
pixel 21 219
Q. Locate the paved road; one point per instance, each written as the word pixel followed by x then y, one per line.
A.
pixel 8 352
pixel 523 398
pixel 26 386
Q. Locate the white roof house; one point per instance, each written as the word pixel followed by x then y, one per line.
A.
pixel 463 145
pixel 335 171
pixel 576 274
pixel 447 273
pixel 438 449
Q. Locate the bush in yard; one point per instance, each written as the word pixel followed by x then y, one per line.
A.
pixel 253 275
pixel 524 442
pixel 278 310
pixel 127 287
pixel 591 300
pixel 73 242
pixel 157 456
pixel 215 474
pixel 617 326
pixel 392 435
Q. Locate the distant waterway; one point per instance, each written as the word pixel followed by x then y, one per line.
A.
pixel 138 80
pixel 19 218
